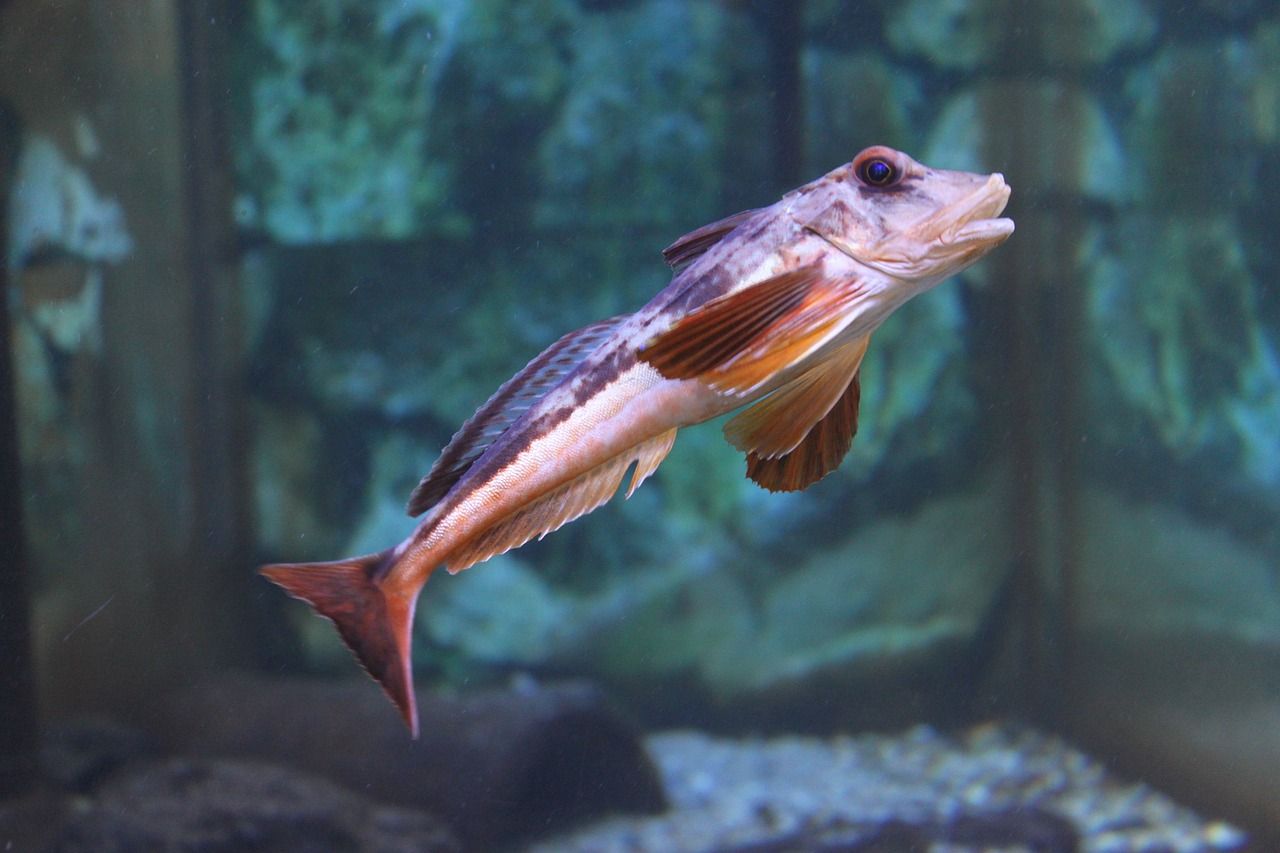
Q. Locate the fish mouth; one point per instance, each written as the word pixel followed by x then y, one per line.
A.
pixel 948 239
pixel 974 222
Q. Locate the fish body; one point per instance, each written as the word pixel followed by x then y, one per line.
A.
pixel 770 308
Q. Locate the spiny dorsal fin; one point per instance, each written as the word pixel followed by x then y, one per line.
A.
pixel 776 425
pixel 562 505
pixel 818 454
pixel 691 246
pixel 740 341
pixel 509 402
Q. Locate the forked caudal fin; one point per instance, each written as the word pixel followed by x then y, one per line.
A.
pixel 376 623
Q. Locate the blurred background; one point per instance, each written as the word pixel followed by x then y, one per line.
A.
pixel 261 259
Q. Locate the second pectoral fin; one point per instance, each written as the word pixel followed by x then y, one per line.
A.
pixel 819 452
pixel 778 424
pixel 738 342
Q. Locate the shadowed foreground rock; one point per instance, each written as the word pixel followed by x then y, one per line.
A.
pixel 220 805
pixel 496 766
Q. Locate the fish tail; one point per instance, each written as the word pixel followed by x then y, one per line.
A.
pixel 374 618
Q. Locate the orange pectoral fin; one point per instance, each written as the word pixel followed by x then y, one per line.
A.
pixel 818 454
pixel 776 425
pixel 740 341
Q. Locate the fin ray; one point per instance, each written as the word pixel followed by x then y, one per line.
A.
pixel 740 341
pixel 776 425
pixel 818 454
pixel 650 457
pixel 375 623
pixel 558 507
pixel 693 245
pixel 713 334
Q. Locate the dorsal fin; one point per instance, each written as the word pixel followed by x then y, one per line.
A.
pixel 692 245
pixel 508 403
pixel 562 505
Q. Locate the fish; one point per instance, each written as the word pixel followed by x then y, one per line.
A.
pixel 769 311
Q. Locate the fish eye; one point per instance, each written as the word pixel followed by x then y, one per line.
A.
pixel 878 172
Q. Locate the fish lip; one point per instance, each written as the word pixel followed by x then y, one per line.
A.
pixel 951 237
pixel 980 231
pixel 975 219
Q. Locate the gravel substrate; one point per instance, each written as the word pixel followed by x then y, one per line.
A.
pixel 993 787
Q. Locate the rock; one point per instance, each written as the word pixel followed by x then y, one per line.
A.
pixel 837 124
pixel 497 765
pixel 288 482
pixel 222 805
pixel 335 126
pixel 506 614
pixel 78 755
pixel 1149 571
pixel 1202 118
pixel 889 596
pixel 398 462
pixel 990 787
pixel 637 140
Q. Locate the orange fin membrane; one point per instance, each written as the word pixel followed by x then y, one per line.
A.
pixel 375 625
pixel 818 454
pixel 776 425
pixel 740 341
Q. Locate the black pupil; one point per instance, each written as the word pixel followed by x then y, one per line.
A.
pixel 877 172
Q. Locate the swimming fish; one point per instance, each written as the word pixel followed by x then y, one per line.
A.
pixel 769 309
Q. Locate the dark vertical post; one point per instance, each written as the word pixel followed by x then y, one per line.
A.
pixel 1042 317
pixel 17 678
pixel 219 446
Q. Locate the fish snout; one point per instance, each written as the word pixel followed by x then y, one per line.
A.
pixel 974 221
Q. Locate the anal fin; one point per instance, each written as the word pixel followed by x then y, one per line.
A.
pixel 558 507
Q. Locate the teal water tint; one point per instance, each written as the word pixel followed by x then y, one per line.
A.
pixel 1061 504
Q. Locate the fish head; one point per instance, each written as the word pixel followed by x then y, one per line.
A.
pixel 915 224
